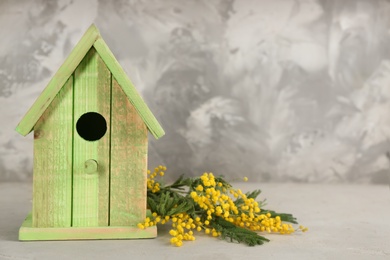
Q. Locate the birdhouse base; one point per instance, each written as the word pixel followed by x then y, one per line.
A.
pixel 29 233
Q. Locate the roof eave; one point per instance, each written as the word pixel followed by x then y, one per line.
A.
pixel 28 122
pixel 128 88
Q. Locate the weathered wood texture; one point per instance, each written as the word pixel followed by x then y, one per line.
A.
pixel 129 142
pixel 52 185
pixel 92 88
pixel 29 233
pixel 128 88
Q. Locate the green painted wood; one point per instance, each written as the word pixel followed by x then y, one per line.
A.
pixel 91 38
pixel 128 88
pixel 64 72
pixel 71 174
pixel 29 233
pixel 92 88
pixel 52 183
pixel 129 142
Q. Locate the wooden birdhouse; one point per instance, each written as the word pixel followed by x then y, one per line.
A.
pixel 90 150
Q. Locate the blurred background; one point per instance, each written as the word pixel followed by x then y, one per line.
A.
pixel 281 90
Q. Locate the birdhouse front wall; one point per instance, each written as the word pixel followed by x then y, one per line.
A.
pixel 90 154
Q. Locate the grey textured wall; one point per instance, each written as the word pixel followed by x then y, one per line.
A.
pixel 275 90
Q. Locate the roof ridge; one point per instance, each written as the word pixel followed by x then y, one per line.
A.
pixel 91 38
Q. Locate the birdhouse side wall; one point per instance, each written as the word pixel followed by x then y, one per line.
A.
pixel 129 148
pixel 52 176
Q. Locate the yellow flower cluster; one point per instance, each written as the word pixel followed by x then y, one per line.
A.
pixel 303 228
pixel 183 227
pixel 156 219
pixel 211 197
pixel 214 199
pixel 151 183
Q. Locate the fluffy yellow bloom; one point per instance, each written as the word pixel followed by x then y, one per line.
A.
pixel 173 232
pixel 199 188
pixel 141 226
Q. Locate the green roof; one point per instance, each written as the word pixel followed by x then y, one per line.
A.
pixel 91 38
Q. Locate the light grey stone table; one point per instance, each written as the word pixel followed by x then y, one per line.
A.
pixel 345 222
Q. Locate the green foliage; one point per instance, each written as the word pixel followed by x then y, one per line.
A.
pixel 233 233
pixel 169 203
pixel 206 203
pixel 286 217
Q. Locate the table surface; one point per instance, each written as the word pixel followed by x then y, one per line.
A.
pixel 345 222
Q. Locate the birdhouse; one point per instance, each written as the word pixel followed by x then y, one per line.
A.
pixel 90 150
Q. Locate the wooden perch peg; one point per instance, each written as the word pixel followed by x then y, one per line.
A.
pixel 91 166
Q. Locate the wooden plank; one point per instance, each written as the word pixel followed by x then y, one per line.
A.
pixel 52 183
pixel 29 233
pixel 64 72
pixel 92 88
pixel 128 88
pixel 128 161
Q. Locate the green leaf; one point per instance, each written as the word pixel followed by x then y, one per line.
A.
pixel 253 194
pixel 233 233
pixel 152 203
pixel 283 216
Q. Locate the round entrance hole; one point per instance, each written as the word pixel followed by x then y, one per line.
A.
pixel 91 126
